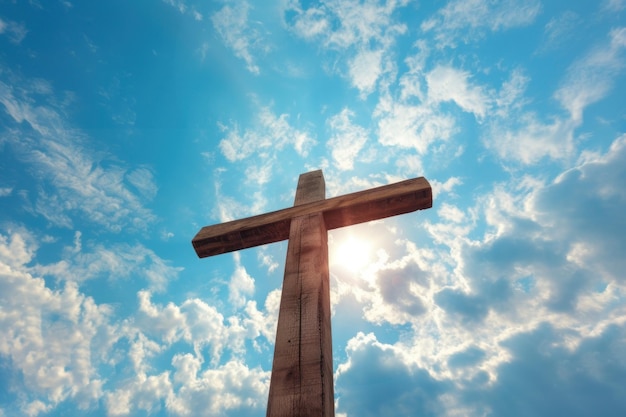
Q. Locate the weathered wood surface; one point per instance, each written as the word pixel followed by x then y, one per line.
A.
pixel 302 373
pixel 363 206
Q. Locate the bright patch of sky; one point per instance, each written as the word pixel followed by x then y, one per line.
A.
pixel 127 126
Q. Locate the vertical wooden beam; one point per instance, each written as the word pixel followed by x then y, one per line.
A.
pixel 302 373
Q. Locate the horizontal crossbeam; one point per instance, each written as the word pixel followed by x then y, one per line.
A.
pixel 359 207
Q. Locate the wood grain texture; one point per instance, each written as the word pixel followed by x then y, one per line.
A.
pixel 363 206
pixel 302 372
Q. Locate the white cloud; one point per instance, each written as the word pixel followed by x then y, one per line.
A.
pixel 451 84
pixel 266 259
pixel 550 248
pixel 523 136
pixel 54 339
pixel 447 186
pixel 365 29
pixel 451 213
pixel 311 23
pixel 73 180
pixel 259 323
pixel 179 4
pixel 347 139
pixel 590 79
pixel 365 69
pixel 413 126
pixel 511 95
pixel 613 6
pixel 231 22
pixel 533 139
pixel 590 219
pixel 143 181
pixel 377 381
pixel 468 19
pixel 232 387
pixel 541 288
pixel 58 340
pixel 559 30
pixel 15 31
pixel 272 133
pixel 143 392
pixel 241 284
pixel 116 262
pixel 183 7
pixel 550 256
pixel 194 322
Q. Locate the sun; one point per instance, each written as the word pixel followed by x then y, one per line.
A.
pixel 353 253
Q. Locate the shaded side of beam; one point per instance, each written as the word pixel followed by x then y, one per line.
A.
pixel 363 206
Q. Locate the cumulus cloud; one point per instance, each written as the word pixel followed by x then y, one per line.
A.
pixel 537 291
pixel 553 247
pixel 378 380
pixel 194 322
pixel 232 388
pixel 584 207
pixel 54 339
pixel 57 341
pixel 581 381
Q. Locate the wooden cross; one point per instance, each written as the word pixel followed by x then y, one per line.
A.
pixel 302 373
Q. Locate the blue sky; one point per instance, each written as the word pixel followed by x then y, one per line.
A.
pixel 127 126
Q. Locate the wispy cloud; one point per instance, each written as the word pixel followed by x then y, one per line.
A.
pixel 71 179
pixel 182 6
pixel 614 5
pixel 232 24
pixel 366 30
pixel 15 31
pixel 241 284
pixel 412 126
pixel 462 20
pixel 559 30
pixel 529 137
pixel 269 134
pixel 450 84
pixel 347 139
pixel 591 78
